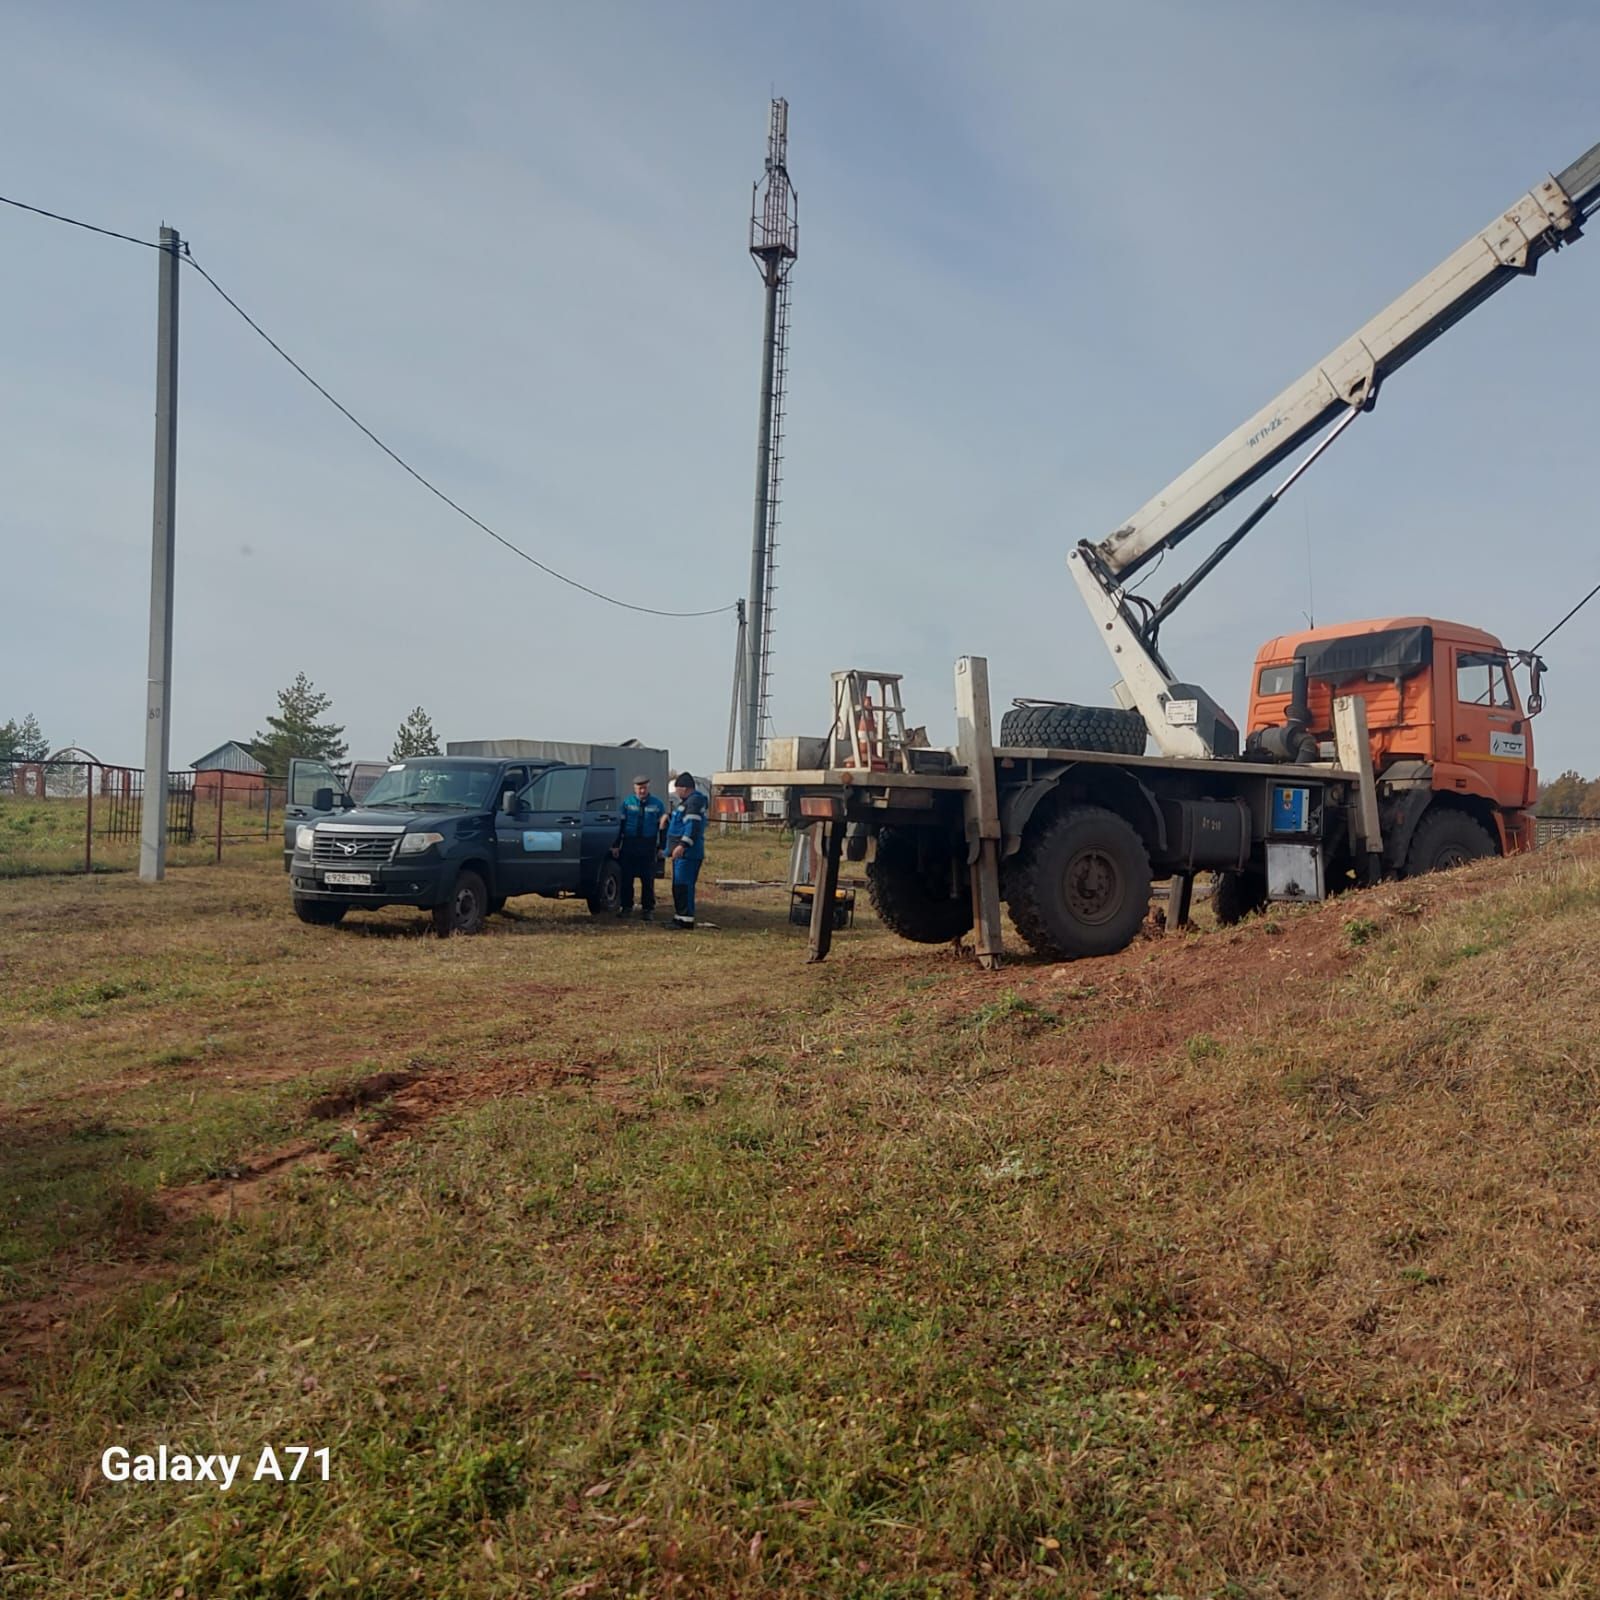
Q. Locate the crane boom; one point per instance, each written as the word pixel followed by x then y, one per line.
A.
pixel 1344 383
pixel 1509 247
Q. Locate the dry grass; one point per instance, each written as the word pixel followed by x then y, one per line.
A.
pixel 1254 1263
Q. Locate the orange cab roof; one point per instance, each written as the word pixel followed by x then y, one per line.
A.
pixel 1283 647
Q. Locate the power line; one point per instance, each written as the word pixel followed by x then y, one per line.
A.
pixel 350 416
pixel 73 222
pixel 1570 615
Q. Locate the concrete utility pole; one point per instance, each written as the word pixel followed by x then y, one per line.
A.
pixel 157 727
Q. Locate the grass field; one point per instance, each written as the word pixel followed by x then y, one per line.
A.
pixel 46 836
pixel 607 1261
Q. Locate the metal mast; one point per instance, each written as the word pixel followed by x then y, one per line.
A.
pixel 774 244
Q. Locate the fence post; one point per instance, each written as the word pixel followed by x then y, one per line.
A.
pixel 221 786
pixel 88 821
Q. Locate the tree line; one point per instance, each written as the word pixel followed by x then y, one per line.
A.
pixel 302 727
pixel 1570 795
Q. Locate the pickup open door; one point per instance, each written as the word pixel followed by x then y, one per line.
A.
pixel 545 831
pixel 308 778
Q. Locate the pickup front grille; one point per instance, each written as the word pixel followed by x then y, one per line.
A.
pixel 352 849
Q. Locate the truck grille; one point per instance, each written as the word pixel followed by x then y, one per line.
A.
pixel 341 849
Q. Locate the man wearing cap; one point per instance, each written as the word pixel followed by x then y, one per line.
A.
pixel 638 840
pixel 686 844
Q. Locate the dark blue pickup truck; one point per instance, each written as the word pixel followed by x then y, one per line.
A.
pixel 455 836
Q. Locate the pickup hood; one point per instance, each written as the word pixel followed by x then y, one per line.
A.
pixel 411 821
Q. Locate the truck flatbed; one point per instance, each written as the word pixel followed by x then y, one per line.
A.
pixel 864 778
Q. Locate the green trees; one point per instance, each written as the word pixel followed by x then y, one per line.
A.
pixel 415 737
pixel 1570 795
pixel 23 741
pixel 298 729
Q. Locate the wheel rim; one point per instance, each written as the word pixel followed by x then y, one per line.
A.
pixel 466 905
pixel 1092 886
pixel 1453 855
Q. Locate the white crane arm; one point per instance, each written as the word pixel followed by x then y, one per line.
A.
pixel 1512 245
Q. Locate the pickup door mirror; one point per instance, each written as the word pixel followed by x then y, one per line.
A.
pixel 322 800
pixel 509 802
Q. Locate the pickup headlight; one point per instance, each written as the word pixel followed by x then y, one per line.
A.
pixel 413 844
pixel 302 839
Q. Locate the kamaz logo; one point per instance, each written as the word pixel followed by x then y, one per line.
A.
pixel 1261 433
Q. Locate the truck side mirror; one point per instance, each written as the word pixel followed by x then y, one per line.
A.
pixel 508 802
pixel 322 800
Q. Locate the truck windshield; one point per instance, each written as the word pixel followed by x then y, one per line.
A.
pixel 422 785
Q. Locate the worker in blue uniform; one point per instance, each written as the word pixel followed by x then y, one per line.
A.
pixel 686 845
pixel 638 842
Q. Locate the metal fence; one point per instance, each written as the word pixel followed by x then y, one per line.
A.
pixel 1549 829
pixel 86 816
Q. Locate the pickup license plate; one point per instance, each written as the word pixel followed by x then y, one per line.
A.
pixel 362 879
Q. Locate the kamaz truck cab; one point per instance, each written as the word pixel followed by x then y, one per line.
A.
pixel 1451 739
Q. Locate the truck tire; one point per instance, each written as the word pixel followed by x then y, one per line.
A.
pixel 1446 838
pixel 916 893
pixel 1237 894
pixel 1108 729
pixel 319 913
pixel 607 894
pixel 1081 885
pixel 464 908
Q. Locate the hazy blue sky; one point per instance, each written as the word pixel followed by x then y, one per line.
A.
pixel 1050 253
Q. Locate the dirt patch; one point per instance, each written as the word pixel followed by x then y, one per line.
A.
pixel 378 1087
pixel 246 1186
pixel 30 1327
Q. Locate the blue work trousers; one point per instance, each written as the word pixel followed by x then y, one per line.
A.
pixel 684 872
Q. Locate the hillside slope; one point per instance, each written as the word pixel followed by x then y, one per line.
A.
pixel 1259 1262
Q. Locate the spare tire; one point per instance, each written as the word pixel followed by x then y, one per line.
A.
pixel 1106 729
pixel 915 888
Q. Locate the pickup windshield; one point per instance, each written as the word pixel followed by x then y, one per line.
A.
pixel 424 785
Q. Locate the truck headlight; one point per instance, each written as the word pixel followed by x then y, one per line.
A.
pixel 302 839
pixel 413 844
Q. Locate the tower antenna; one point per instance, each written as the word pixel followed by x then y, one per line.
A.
pixel 774 245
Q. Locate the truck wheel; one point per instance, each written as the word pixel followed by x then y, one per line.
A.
pixel 607 895
pixel 918 893
pixel 319 913
pixel 1445 839
pixel 1066 727
pixel 1237 894
pixel 1081 886
pixel 464 909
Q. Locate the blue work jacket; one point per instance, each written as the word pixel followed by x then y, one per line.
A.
pixel 641 819
pixel 688 826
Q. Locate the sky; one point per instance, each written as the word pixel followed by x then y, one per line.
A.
pixel 1050 253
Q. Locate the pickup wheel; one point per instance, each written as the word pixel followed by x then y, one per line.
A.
pixel 1237 894
pixel 464 908
pixel 319 913
pixel 916 889
pixel 607 893
pixel 1445 839
pixel 1081 885
pixel 1106 729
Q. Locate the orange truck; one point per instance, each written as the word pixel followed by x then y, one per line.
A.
pixel 1450 738
pixel 1370 749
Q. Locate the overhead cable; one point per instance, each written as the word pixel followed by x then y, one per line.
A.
pixel 355 421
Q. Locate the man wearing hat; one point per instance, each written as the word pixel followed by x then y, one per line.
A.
pixel 638 840
pixel 686 844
